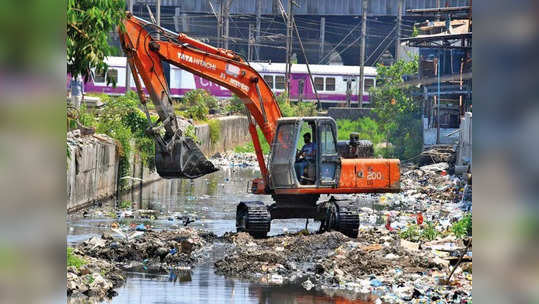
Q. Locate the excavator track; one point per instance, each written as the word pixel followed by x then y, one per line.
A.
pixel 337 217
pixel 347 222
pixel 253 217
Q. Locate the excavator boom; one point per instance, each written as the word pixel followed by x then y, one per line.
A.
pixel 145 54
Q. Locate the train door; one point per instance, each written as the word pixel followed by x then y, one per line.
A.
pixel 301 88
pixel 351 88
pixel 297 87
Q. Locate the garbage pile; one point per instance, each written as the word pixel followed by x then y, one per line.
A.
pixel 106 257
pixel 234 159
pixel 412 246
pixel 97 278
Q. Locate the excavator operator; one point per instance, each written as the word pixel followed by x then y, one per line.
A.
pixel 306 155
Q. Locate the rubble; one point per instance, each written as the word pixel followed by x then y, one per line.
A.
pixel 110 255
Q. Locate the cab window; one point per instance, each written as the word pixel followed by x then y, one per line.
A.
pixel 327 141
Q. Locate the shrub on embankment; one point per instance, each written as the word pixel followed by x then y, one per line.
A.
pixel 122 120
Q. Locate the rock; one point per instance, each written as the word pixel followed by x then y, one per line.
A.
pixel 95 242
pixel 405 292
pixel 391 256
pixel 84 271
pixel 162 252
pixel 106 236
pixel 308 285
pixel 98 286
pixel 73 269
pixel 187 246
pixel 410 246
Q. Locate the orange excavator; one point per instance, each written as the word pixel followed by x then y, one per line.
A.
pixel 295 177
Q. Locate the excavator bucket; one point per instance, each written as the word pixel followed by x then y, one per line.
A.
pixel 184 161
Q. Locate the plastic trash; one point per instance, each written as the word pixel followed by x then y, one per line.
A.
pixel 140 227
pixel 173 251
pixel 376 283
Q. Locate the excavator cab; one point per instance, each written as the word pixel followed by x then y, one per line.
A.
pixel 304 153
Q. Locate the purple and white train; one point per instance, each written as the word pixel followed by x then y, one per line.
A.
pixel 331 81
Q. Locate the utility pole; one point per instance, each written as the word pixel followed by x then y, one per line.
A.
pixel 319 105
pixel 227 21
pixel 362 58
pixel 177 19
pixel 220 23
pixel 322 38
pixel 438 100
pixel 158 9
pixel 288 44
pixel 250 44
pixel 127 68
pixel 185 23
pixel 399 22
pixel 258 26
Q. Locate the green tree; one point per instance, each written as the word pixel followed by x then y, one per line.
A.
pixel 398 112
pixel 89 23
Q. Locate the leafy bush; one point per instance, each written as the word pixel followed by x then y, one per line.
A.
pixel 73 260
pixel 304 109
pixel 125 204
pixel 235 105
pixel 284 105
pixel 411 233
pixel 398 112
pixel 122 120
pixel 429 232
pixel 463 227
pixel 198 102
pixel 249 147
pixel 367 128
pixel 199 112
pixel 215 130
pixel 416 233
pixel 190 132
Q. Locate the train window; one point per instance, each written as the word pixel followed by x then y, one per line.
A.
pixel 269 80
pixel 112 76
pixel 99 76
pixel 369 83
pixel 279 82
pixel 319 83
pixel 330 84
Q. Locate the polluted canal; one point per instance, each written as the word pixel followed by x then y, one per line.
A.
pixel 175 241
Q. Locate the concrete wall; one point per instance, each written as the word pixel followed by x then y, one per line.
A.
pixel 234 132
pixel 92 170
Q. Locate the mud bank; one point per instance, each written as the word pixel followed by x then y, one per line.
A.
pixel 108 257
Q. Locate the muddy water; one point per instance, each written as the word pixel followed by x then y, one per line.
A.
pixel 211 201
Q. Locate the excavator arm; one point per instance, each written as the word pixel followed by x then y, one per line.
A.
pixel 145 55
